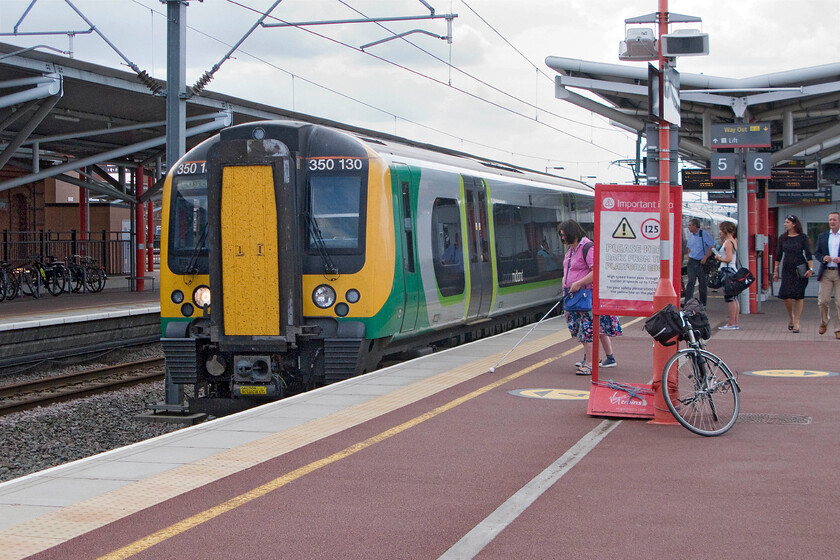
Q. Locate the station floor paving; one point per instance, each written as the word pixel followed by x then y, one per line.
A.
pixel 115 300
pixel 440 458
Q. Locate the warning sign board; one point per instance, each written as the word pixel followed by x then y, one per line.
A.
pixel 627 236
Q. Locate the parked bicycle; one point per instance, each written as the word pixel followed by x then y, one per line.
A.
pixel 38 274
pixel 9 283
pixel 85 274
pixel 698 387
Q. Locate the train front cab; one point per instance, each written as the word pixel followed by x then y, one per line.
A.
pixel 298 287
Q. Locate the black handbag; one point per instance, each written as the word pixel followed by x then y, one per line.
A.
pixel 715 280
pixel 801 269
pixel 736 282
pixel 709 266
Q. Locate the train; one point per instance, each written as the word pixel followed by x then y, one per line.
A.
pixel 295 255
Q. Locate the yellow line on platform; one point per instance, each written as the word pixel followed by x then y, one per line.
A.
pixel 176 529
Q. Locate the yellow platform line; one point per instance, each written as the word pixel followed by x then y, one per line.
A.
pixel 176 529
pixel 71 521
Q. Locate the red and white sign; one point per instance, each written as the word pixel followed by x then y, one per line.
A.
pixel 627 238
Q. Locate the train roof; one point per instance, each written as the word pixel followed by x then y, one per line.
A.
pixel 396 148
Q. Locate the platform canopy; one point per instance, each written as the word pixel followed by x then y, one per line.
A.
pixel 803 106
pixel 60 115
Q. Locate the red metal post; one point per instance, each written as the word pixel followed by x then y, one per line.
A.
pixel 140 226
pixel 752 220
pixel 150 230
pixel 665 293
pixel 763 221
pixel 83 220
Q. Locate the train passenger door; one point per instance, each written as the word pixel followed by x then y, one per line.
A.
pixel 405 232
pixel 478 232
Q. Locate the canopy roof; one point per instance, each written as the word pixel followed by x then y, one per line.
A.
pixel 802 106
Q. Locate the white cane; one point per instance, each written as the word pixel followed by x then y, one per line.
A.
pixel 493 369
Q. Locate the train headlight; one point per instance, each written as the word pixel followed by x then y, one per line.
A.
pixel 352 296
pixel 342 309
pixel 177 296
pixel 323 296
pixel 187 310
pixel 201 297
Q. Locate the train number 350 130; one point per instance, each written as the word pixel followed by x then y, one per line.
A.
pixel 330 164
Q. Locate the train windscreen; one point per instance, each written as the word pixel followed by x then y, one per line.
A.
pixel 335 207
pixel 188 226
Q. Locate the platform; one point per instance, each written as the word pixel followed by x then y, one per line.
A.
pixel 439 458
pixel 114 301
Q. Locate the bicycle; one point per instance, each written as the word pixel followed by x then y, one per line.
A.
pixel 9 282
pixel 698 387
pixel 85 274
pixel 38 274
pixel 60 273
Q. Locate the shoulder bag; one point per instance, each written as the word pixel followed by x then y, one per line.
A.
pixel 580 300
pixel 736 281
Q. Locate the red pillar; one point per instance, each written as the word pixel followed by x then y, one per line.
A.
pixel 83 220
pixel 763 221
pixel 752 219
pixel 665 293
pixel 150 231
pixel 140 226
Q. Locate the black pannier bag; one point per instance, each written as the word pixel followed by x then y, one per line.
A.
pixel 694 311
pixel 665 325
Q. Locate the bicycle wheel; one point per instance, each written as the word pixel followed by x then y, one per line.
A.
pixel 54 282
pixel 94 279
pixel 11 285
pixel 77 278
pixel 701 392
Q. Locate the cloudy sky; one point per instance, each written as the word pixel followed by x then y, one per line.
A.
pixel 487 93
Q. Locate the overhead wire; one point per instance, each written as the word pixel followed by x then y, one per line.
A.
pixel 384 111
pixel 472 77
pixel 442 83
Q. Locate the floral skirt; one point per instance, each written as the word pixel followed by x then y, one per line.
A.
pixel 580 325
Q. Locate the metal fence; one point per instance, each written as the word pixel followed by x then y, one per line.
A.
pixel 112 249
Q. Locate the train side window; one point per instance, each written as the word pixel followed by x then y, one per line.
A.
pixel 527 246
pixel 409 234
pixel 447 246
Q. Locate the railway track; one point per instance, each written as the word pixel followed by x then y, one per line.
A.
pixel 42 392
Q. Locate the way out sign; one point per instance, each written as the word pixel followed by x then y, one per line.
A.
pixel 627 236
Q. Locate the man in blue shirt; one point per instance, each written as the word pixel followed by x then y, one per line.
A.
pixel 700 245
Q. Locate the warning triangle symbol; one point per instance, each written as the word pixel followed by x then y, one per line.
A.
pixel 624 231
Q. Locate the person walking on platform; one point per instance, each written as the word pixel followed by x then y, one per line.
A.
pixel 700 245
pixel 728 257
pixel 793 246
pixel 577 264
pixel 828 255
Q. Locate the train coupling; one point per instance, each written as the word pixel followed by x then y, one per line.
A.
pixel 253 377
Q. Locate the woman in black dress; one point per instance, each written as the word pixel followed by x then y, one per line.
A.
pixel 794 247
